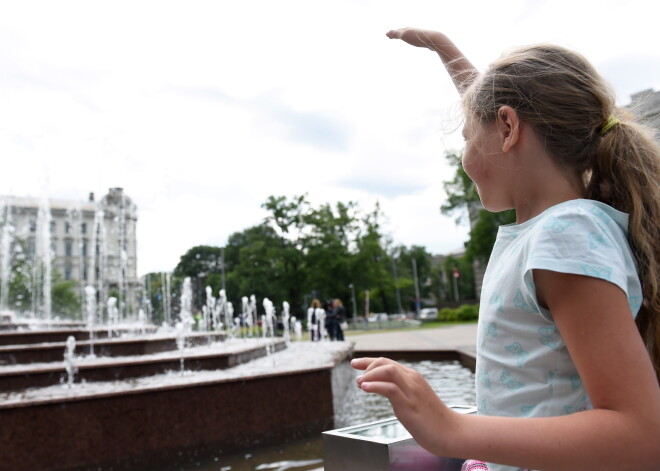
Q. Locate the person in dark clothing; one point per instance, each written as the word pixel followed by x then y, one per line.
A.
pixel 329 319
pixel 339 318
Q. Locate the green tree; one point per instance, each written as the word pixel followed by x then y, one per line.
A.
pixel 404 270
pixel 462 196
pixel 373 263
pixel 331 232
pixel 203 264
pixel 463 199
pixel 484 233
pixel 255 267
pixel 465 280
pixel 287 219
pixel 199 261
pixel 65 299
pixel 20 280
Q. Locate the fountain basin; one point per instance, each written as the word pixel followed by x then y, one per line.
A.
pixel 216 356
pixel 24 337
pixel 384 445
pixel 14 325
pixel 149 422
pixel 49 352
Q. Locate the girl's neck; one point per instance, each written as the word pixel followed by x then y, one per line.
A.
pixel 528 209
pixel 545 184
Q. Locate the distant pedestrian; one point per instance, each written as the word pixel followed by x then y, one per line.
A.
pixel 329 319
pixel 339 318
pixel 316 321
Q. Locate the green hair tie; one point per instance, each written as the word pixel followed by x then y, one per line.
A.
pixel 609 124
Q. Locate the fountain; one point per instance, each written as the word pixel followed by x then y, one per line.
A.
pixel 41 275
pixel 151 398
pixel 132 395
pixel 6 240
pixel 285 321
pixel 69 360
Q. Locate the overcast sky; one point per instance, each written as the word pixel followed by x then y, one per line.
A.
pixel 200 110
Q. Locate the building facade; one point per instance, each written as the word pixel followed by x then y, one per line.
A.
pixel 646 106
pixel 90 242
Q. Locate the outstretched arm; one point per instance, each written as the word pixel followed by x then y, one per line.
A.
pixel 460 69
pixel 620 433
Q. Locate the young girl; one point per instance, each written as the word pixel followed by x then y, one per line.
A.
pixel 564 379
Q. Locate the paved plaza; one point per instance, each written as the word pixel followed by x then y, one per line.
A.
pixel 449 337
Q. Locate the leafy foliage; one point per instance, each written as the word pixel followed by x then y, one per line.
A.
pixel 484 232
pixel 301 252
pixel 462 196
pixel 465 312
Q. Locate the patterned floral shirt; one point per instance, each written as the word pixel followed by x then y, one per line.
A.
pixel 523 366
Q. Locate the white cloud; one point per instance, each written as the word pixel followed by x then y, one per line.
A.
pixel 201 110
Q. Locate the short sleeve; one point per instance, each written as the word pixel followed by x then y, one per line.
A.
pixel 582 241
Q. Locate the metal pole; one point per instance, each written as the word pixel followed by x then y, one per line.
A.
pixel 354 305
pixel 396 286
pixel 414 263
pixel 222 254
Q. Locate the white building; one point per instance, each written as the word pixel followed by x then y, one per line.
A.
pixel 646 106
pixel 91 242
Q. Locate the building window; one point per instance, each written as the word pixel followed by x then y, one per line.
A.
pixel 31 246
pixel 67 227
pixel 33 225
pixel 68 248
pixel 67 272
pixel 53 247
pixel 53 225
pixel 83 228
pixel 84 249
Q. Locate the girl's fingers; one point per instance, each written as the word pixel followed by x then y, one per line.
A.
pixel 361 363
pixel 396 33
pixel 383 370
pixel 390 390
pixel 366 362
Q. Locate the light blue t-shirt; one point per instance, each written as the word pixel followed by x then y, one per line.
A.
pixel 523 366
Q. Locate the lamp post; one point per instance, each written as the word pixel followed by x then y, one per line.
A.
pixel 396 286
pixel 456 275
pixel 222 255
pixel 417 299
pixel 353 298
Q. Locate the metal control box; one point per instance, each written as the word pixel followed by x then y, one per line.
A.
pixel 384 445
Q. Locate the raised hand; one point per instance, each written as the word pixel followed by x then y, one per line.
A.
pixel 417 37
pixel 461 70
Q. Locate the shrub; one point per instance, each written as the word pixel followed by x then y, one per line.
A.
pixel 466 312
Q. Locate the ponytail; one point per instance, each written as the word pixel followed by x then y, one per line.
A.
pixel 626 175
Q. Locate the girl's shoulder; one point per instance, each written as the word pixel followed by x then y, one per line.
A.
pixel 576 214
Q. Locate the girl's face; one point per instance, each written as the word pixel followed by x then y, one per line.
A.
pixel 483 161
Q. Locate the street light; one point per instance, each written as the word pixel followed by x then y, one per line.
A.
pixel 353 297
pixel 417 299
pixel 396 286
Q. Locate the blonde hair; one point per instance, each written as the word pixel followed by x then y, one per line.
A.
pixel 315 303
pixel 563 98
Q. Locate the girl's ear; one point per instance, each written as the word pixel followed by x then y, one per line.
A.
pixel 508 127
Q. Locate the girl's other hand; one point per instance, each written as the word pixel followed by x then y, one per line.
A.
pixel 414 402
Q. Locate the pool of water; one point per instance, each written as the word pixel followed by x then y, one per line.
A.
pixel 453 383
